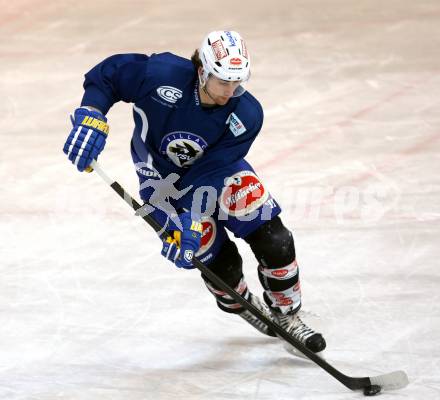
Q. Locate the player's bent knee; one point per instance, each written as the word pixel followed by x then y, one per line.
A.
pixel 272 243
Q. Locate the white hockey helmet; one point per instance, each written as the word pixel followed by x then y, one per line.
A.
pixel 224 55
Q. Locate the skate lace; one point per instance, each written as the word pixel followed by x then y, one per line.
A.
pixel 248 316
pixel 296 327
pixel 251 318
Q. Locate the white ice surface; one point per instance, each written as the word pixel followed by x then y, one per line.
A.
pixel 350 147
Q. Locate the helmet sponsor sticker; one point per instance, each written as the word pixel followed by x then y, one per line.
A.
pixel 218 50
pixel 230 38
pixel 183 148
pixel 235 61
pixel 242 194
pixel 169 93
pixel 235 125
pixel 244 49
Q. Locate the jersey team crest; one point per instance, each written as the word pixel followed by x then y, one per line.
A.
pixel 242 194
pixel 183 148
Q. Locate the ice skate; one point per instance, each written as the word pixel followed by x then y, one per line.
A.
pixel 292 324
pixel 254 321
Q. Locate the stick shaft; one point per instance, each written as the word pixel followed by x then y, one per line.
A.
pixel 350 382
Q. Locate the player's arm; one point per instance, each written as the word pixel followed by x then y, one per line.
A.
pixel 120 77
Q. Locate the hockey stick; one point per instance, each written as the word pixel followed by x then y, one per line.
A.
pixel 371 385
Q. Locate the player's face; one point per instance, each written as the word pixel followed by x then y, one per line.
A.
pixel 221 91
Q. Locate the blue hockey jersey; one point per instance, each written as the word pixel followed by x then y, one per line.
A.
pixel 173 132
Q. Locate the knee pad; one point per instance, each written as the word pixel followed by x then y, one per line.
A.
pixel 272 243
pixel 227 265
pixel 273 246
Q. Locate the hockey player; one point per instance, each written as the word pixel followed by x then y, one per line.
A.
pixel 194 124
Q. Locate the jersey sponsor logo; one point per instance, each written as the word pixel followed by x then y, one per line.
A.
pixel 219 50
pixel 169 93
pixel 206 258
pixel 183 148
pixel 148 173
pixel 235 125
pixel 209 233
pixel 235 61
pixel 230 37
pixel 196 94
pixel 242 194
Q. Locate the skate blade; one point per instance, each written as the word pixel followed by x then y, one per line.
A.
pixel 295 352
